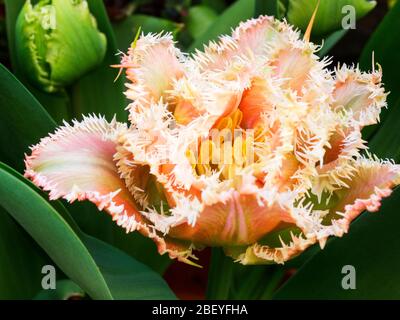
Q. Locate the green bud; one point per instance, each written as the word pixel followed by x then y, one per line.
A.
pixel 57 41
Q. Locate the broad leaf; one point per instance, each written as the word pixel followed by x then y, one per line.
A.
pixel 256 282
pixel 101 226
pixel 126 277
pixel 220 275
pixel 21 261
pixel 23 120
pixel 199 19
pixel 101 270
pixel 330 41
pixel 52 233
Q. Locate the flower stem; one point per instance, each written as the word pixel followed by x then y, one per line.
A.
pixel 219 275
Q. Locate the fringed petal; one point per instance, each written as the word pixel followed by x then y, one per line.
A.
pixel 265 254
pixel 337 167
pixel 251 38
pixel 76 163
pixel 254 35
pixel 294 65
pixel 152 65
pixel 372 180
pixel 359 94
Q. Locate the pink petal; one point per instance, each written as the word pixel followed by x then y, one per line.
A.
pixel 294 65
pixel 359 93
pixel 253 35
pixel 77 158
pixel 76 163
pixel 372 181
pixel 249 38
pixel 152 65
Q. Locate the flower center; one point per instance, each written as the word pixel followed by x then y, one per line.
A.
pixel 228 148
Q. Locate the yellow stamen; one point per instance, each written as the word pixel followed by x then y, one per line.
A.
pixel 227 151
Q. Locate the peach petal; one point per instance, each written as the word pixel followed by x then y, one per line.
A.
pixel 240 220
pixel 255 103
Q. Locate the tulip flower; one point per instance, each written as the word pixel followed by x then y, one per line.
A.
pixel 57 42
pixel 252 145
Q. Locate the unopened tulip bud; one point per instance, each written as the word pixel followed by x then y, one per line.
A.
pixel 57 41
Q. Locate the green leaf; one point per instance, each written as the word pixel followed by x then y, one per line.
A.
pixel 267 7
pixel 101 270
pixel 239 11
pixel 199 19
pixel 65 290
pixel 386 142
pixel 126 30
pixel 216 5
pixel 272 283
pixel 23 120
pixel 385 45
pixel 329 15
pixel 17 251
pixel 97 92
pixel 52 233
pixel 371 246
pixel 126 277
pixel 100 225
